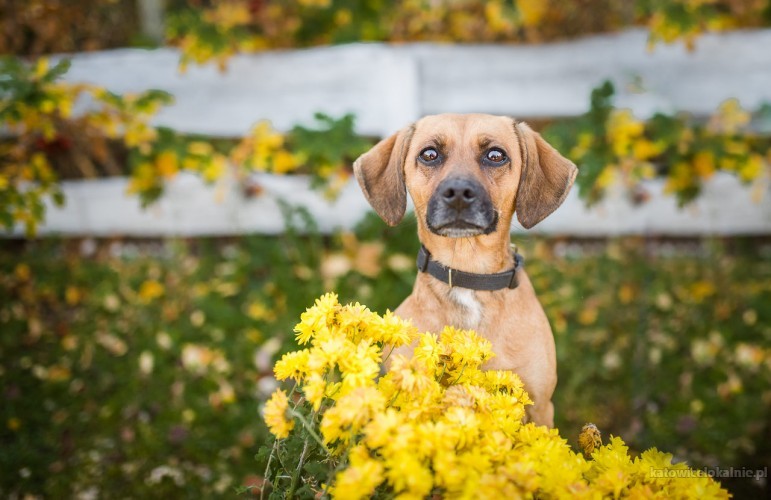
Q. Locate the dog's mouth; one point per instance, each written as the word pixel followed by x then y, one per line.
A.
pixel 460 227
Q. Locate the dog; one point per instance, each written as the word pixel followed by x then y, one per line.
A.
pixel 467 176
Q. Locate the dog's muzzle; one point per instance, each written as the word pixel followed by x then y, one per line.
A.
pixel 461 207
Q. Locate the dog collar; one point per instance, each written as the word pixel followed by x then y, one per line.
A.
pixel 462 279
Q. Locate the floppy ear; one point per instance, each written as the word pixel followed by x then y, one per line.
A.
pixel 380 172
pixel 545 180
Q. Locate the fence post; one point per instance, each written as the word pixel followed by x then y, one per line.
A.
pixel 151 13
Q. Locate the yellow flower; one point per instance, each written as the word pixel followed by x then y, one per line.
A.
pixel 315 388
pixel 350 414
pixel 503 380
pixel 214 168
pixel 167 164
pixel 150 290
pixel 429 350
pixel 410 375
pixel 584 143
pixel 730 117
pixel 258 311
pixel 643 149
pixel 316 317
pixel 394 330
pixel 228 15
pixel 292 365
pixel 381 430
pixel 275 415
pixel 465 347
pixel 436 420
pixel 622 130
pixel 355 320
pixel 408 475
pixel 704 164
pixel 360 367
pixel 360 479
pixel 284 161
pixel 751 169
pixel 200 148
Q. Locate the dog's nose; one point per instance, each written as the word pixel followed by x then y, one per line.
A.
pixel 459 193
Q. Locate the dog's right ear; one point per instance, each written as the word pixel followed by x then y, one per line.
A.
pixel 380 172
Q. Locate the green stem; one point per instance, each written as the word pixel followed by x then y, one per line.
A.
pixel 296 474
pixel 441 376
pixel 460 374
pixel 393 400
pixel 388 355
pixel 343 463
pixel 310 430
pixel 265 478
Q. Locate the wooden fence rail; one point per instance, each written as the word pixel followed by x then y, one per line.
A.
pixel 387 87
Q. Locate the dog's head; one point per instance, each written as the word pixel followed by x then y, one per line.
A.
pixel 467 174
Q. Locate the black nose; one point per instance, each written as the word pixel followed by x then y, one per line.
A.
pixel 459 193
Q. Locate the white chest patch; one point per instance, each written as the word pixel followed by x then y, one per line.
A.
pixel 468 301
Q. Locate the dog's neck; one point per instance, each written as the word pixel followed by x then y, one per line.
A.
pixel 484 254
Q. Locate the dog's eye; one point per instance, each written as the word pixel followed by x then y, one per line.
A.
pixel 428 155
pixel 495 156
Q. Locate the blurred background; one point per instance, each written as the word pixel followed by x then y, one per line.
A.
pixel 175 189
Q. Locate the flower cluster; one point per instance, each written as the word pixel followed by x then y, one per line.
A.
pixel 264 150
pixel 324 152
pixel 51 141
pixel 435 423
pixel 38 110
pixel 216 32
pixel 613 147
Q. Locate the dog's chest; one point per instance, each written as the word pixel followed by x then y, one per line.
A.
pixel 470 309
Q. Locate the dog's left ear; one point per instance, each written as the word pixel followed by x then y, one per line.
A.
pixel 380 172
pixel 545 180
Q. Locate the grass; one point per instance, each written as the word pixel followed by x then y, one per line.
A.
pixel 137 368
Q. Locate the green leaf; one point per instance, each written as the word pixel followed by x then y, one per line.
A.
pixel 59 69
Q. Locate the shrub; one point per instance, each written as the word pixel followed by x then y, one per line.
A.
pixel 434 424
pixel 611 146
pixel 114 136
pixel 218 31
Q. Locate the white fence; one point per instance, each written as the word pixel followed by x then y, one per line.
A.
pixel 387 87
pixel 191 208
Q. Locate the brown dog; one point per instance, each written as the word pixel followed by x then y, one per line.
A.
pixel 467 175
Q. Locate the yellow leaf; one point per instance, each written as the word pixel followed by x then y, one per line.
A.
pixel 626 293
pixel 150 290
pixel 73 295
pixel 532 11
pixel 22 272
pixel 587 316
pixel 704 164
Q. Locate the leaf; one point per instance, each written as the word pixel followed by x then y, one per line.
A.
pixel 263 453
pixel 61 67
